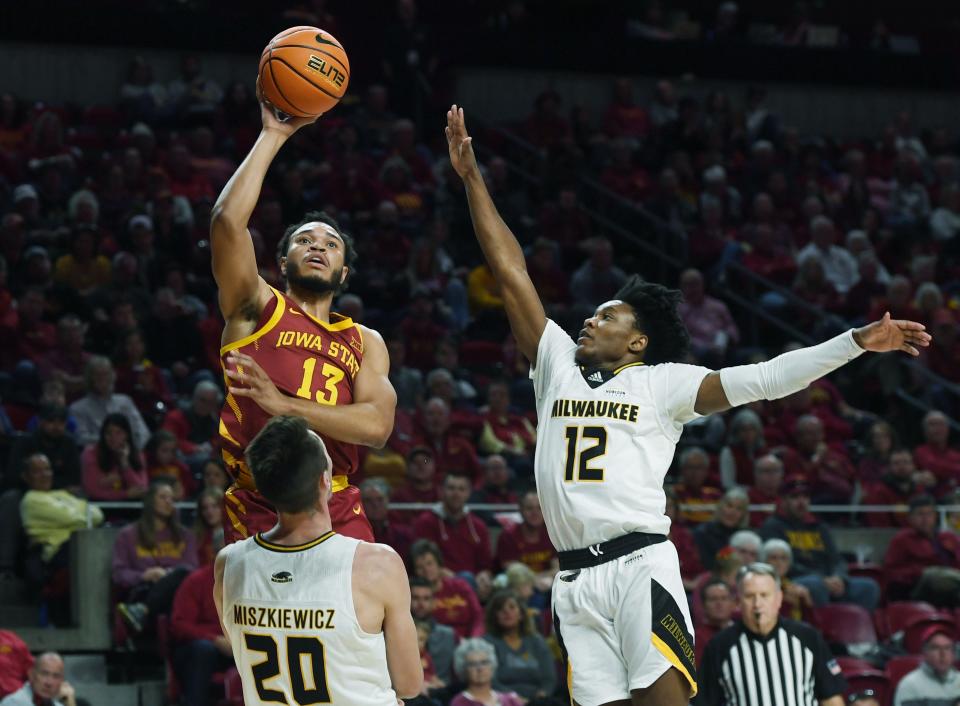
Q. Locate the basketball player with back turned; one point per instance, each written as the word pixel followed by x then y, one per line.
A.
pixel 313 617
pixel 611 407
pixel 286 352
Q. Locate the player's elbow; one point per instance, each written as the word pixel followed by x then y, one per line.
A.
pixel 222 221
pixel 409 684
pixel 378 433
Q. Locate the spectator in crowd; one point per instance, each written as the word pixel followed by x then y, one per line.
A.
pixel 712 329
pixel 693 491
pixel 375 494
pixel 936 454
pixel 214 475
pixel 208 526
pixel 49 518
pixel 15 662
pixel 450 450
pixel 839 266
pixel 864 697
pixel 455 602
pixel 506 432
pixel 528 542
pixel 797 602
pixel 747 544
pixel 200 648
pixel 524 663
pixel 817 564
pixel 496 487
pixel 731 515
pixel 745 444
pixel 475 662
pixel 51 439
pixel 100 401
pixel 682 538
pixel 45 685
pixel 441 639
pixel 407 381
pixel 875 460
pixel 718 607
pixel 831 474
pixel 935 681
pixel 160 458
pixel 900 483
pixel 67 361
pixel 113 468
pixel 922 563
pixel 461 535
pixel 814 676
pixel 767 480
pixel 597 279
pixel 945 220
pixel 151 558
pixel 195 427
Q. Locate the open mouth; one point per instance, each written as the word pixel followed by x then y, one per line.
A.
pixel 316 261
pixel 583 336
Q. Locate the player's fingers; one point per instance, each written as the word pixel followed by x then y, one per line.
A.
pixel 910 325
pixel 907 348
pixel 232 374
pixel 240 391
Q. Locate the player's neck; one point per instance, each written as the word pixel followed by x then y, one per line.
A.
pixel 317 305
pixel 612 365
pixel 300 528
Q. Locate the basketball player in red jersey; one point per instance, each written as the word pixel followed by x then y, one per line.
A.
pixel 286 353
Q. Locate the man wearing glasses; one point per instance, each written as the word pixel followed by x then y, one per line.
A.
pixel 764 659
pixel 935 682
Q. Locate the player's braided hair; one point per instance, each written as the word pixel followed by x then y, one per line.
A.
pixel 655 311
pixel 349 248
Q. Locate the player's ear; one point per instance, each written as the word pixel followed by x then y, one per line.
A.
pixel 638 343
pixel 344 273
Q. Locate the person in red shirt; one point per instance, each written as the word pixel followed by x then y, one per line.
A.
pixel 718 607
pixel 767 479
pixel 200 647
pixel 529 543
pixel 462 536
pixel 682 538
pixel 745 444
pixel 15 662
pixel 495 489
pixel 919 558
pixel 420 485
pixel 691 491
pixel 505 432
pixel 936 455
pixel 896 487
pixel 450 450
pixel 375 494
pixel 455 603
pixel 831 474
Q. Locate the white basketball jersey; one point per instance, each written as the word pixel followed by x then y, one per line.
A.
pixel 290 618
pixel 602 452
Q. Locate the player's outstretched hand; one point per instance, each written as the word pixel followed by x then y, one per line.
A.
pixel 893 335
pixel 248 379
pixel 459 143
pixel 273 119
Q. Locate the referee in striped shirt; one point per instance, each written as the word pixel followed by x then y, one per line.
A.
pixel 764 659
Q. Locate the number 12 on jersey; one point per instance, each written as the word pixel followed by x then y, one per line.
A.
pixel 577 466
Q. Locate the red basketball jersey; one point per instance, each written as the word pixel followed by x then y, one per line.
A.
pixel 305 357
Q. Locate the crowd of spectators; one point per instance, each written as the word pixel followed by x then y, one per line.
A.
pixel 111 384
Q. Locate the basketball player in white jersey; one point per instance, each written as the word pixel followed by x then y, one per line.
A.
pixel 611 408
pixel 314 617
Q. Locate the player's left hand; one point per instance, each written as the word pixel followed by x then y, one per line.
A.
pixel 249 380
pixel 889 334
pixel 459 143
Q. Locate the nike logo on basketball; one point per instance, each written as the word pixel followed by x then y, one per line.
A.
pixel 320 40
pixel 357 510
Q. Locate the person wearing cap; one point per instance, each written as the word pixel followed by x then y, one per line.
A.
pixel 864 697
pixel 421 484
pixel 816 562
pixel 26 202
pixel 789 661
pixel 922 563
pixel 935 682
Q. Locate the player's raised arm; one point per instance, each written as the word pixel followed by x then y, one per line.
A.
pixel 500 247
pixel 242 292
pixel 793 371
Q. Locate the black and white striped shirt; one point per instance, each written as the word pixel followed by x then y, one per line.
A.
pixel 791 666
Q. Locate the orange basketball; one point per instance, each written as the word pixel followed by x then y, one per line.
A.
pixel 304 71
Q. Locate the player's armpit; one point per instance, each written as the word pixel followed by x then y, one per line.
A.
pixel 711 397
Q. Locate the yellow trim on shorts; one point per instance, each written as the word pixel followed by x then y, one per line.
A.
pixel 675 661
pixel 570 681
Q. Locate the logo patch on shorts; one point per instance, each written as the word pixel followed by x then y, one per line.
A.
pixel 572 576
pixel 282 577
pixel 670 627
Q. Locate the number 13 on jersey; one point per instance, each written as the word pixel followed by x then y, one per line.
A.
pixel 331 374
pixel 584 444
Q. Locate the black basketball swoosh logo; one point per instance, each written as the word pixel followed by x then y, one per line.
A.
pixel 321 40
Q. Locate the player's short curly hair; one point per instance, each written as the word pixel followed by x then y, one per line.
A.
pixel 655 310
pixel 349 247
